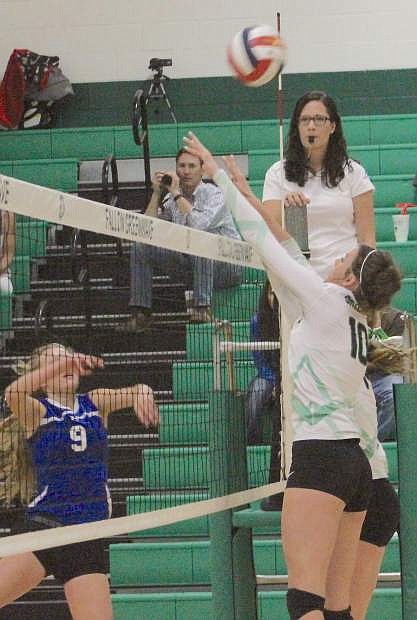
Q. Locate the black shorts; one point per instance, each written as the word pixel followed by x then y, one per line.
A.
pixel 69 561
pixel 383 516
pixel 338 467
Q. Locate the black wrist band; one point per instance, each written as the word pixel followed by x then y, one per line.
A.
pixel 175 198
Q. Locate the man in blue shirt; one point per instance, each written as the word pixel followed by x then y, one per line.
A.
pixel 189 202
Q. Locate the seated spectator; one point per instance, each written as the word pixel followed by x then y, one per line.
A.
pixel 195 204
pixel 383 378
pixel 261 397
pixel 7 250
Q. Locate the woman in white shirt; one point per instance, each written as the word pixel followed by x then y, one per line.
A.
pixel 318 173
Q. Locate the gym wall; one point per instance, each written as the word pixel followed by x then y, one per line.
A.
pixel 363 53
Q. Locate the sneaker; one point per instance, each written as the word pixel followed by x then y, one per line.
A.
pixel 201 314
pixel 137 323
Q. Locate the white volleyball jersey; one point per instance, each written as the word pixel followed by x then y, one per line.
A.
pixel 327 362
pixel 330 212
pixel 328 343
pixel 365 405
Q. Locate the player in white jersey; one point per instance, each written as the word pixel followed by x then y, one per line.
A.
pixel 382 517
pixel 329 484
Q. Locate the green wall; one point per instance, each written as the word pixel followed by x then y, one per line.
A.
pixel 223 98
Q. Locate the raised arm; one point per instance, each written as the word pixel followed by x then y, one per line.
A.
pixel 363 206
pixel 138 397
pixel 152 208
pixel 239 179
pixel 7 252
pixel 261 233
pixel 19 394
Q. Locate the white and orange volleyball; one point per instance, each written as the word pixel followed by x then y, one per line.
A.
pixel 256 55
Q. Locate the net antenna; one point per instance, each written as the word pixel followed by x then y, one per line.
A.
pixel 285 400
pixel 157 90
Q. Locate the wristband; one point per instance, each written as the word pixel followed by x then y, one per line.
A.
pixel 177 197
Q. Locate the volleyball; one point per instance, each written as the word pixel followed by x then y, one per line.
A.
pixel 256 55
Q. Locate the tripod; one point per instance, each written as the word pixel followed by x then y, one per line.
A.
pixel 157 92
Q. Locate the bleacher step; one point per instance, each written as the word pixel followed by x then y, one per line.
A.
pixel 186 562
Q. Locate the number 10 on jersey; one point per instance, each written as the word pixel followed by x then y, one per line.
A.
pixel 359 340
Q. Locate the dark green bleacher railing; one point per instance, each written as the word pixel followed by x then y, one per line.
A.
pixel 141 136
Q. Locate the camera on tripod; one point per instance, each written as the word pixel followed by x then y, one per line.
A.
pixel 156 64
pixel 157 90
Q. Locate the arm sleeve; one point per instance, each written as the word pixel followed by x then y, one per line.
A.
pixel 289 302
pixel 303 282
pixel 360 181
pixel 273 189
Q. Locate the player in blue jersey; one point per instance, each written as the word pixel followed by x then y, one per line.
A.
pixel 67 438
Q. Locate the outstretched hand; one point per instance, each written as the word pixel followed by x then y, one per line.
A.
pixel 197 148
pixel 240 181
pixel 144 405
pixel 236 174
pixel 86 364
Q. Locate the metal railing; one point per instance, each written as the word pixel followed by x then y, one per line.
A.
pixel 111 197
pixel 141 135
pixel 43 313
pixel 410 342
pixel 80 270
pixel 228 346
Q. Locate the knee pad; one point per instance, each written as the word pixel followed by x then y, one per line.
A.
pixel 300 603
pixel 337 615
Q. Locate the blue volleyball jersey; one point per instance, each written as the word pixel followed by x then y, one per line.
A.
pixel 69 454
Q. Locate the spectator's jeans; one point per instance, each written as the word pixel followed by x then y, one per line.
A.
pixel 259 403
pixel 384 396
pixel 200 273
pixel 6 287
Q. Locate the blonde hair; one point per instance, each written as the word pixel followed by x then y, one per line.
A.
pixel 25 365
pixel 17 481
pixel 390 360
pixel 385 357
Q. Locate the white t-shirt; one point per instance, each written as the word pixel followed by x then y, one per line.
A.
pixel 330 213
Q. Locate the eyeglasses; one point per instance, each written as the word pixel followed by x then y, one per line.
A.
pixel 318 120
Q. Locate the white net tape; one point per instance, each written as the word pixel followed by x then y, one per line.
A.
pixel 65 209
pixel 69 534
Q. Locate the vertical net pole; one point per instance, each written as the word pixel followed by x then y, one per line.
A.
pixel 405 404
pixel 233 576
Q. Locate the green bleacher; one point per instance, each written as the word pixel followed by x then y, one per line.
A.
pixel 222 137
pixel 177 471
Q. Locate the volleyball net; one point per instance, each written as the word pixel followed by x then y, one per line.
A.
pixel 70 276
